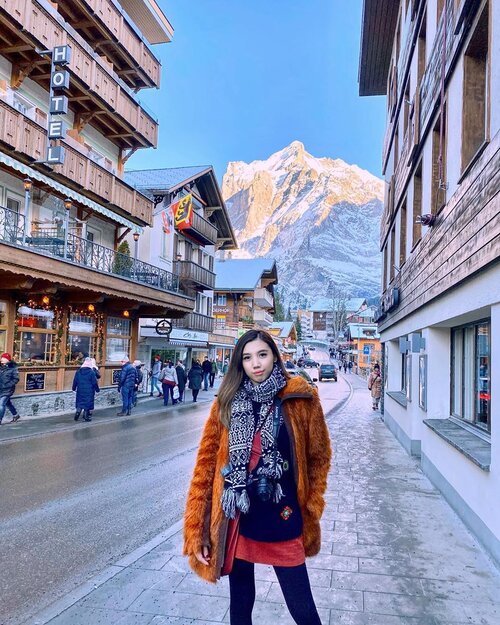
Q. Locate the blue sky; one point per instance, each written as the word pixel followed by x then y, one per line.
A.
pixel 243 78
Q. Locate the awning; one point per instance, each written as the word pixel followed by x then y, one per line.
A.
pixel 67 192
pixel 188 343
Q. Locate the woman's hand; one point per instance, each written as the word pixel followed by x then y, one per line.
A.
pixel 203 556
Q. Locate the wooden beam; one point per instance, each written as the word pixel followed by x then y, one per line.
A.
pixel 19 73
pixel 123 235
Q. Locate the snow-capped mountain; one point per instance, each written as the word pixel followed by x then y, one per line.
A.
pixel 318 217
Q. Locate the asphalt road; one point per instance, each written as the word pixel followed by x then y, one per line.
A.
pixel 76 500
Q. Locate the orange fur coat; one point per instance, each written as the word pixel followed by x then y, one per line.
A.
pixel 204 520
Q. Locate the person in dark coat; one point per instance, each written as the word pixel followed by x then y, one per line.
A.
pixel 181 379
pixel 126 386
pixel 207 370
pixel 85 385
pixel 195 377
pixel 9 377
pixel 140 377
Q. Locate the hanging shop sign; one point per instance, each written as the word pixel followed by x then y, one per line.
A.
pixel 163 327
pixel 58 103
pixel 182 211
pixel 390 300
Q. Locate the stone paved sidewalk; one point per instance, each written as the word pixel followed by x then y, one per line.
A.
pixel 393 553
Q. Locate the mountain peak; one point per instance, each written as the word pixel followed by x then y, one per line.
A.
pixel 319 214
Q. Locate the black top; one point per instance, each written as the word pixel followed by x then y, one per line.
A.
pixel 267 521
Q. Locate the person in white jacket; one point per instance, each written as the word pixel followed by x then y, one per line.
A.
pixel 168 378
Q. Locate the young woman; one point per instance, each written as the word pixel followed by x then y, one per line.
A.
pixel 257 490
pixel 375 386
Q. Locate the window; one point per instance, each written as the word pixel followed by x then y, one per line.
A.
pixel 438 191
pixel 82 338
pixel 406 374
pixel 402 236
pixel 440 6
pixel 417 205
pixel 221 300
pixel 475 94
pixel 421 50
pixel 220 322
pixel 393 253
pixel 36 335
pixel 384 285
pixel 118 335
pixel 470 373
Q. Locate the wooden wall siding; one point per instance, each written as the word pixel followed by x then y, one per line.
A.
pixel 87 66
pixel 465 239
pixel 26 137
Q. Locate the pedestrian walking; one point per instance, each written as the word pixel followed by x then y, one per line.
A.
pixel 9 377
pixel 86 386
pixel 207 370
pixel 155 376
pixel 195 377
pixel 225 366
pixel 375 386
pixel 181 379
pixel 349 366
pixel 345 366
pixel 168 379
pixel 126 386
pixel 213 373
pixel 139 378
pixel 256 495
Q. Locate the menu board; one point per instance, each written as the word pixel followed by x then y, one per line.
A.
pixel 34 381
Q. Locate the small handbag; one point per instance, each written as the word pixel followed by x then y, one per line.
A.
pixel 175 392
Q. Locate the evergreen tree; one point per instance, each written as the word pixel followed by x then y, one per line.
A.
pixel 289 314
pixel 298 327
pixel 279 313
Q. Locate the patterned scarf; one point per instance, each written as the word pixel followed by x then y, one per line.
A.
pixel 241 434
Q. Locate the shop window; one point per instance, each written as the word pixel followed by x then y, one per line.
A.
pixel 475 91
pixel 118 337
pixel 36 335
pixel 3 326
pixel 82 338
pixel 470 374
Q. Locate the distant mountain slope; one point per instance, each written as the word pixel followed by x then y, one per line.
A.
pixel 319 217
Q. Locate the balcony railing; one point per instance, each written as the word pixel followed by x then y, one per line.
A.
pixel 195 321
pixel 202 230
pixel 122 35
pixel 262 318
pixel 262 297
pixel 27 137
pixel 194 275
pixel 92 76
pixel 77 250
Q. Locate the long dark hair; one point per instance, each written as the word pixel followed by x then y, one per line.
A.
pixel 235 373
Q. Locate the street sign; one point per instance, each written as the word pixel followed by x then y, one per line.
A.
pixel 366 350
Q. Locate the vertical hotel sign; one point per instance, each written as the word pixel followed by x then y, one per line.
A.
pixel 58 104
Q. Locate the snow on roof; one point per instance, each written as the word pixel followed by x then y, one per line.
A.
pixel 363 330
pixel 354 304
pixel 242 274
pixel 285 327
pixel 163 179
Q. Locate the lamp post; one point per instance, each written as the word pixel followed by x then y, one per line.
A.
pixel 28 185
pixel 136 236
pixel 67 208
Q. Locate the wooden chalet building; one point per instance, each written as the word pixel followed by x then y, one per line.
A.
pixel 65 291
pixel 438 63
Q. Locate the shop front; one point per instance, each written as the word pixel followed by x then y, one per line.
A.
pixel 179 344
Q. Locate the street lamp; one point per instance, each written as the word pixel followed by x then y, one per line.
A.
pixel 28 185
pixel 67 206
pixel 136 236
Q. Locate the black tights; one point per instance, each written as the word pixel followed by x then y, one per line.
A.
pixel 295 586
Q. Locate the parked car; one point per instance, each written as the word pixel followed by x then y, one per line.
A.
pixel 308 362
pixel 327 372
pixel 303 374
pixel 289 364
pixel 311 348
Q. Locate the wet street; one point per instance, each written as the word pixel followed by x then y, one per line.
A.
pixel 74 500
pixel 77 496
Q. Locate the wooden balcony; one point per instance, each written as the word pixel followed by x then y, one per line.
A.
pixel 104 26
pixel 263 298
pixel 97 95
pixel 262 318
pixel 193 276
pixel 201 230
pixel 27 140
pixel 195 321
